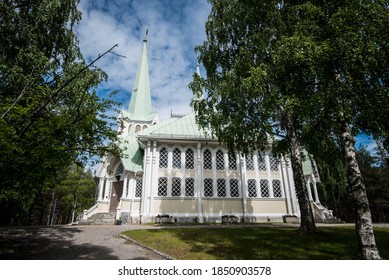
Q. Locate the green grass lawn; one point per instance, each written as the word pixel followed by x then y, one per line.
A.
pixel 254 243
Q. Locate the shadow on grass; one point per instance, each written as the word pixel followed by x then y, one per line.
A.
pixel 48 243
pixel 258 243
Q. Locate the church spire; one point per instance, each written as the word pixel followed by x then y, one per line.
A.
pixel 140 105
pixel 197 96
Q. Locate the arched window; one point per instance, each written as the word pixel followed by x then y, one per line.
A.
pixel 232 162
pixel 177 158
pixel 144 127
pixel 162 186
pixel 137 128
pixel 138 188
pixel 163 158
pixel 189 186
pixel 234 187
pixel 208 187
pixel 265 188
pixel 219 160
pixel 119 170
pixel 207 159
pixel 261 162
pixel 221 188
pixel 273 163
pixel 176 186
pixel 249 162
pixel 277 192
pixel 252 188
pixel 189 159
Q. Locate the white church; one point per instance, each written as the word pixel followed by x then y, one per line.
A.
pixel 172 171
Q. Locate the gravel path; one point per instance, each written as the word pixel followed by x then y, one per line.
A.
pixel 94 242
pixel 71 243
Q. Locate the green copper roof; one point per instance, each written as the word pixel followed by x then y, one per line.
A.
pixel 132 155
pixel 175 128
pixel 140 105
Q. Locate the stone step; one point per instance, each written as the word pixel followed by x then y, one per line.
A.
pixel 329 220
pixel 100 219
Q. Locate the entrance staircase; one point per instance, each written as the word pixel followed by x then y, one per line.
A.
pixel 323 215
pixel 100 219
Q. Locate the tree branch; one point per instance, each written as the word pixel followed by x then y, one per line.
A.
pixel 59 90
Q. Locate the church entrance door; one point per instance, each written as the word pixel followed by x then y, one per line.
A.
pixel 116 194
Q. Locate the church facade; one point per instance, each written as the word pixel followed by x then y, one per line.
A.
pixel 173 170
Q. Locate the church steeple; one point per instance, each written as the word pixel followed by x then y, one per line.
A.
pixel 140 105
pixel 197 96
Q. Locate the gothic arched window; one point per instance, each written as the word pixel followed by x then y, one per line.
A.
pixel 265 188
pixel 261 162
pixel 219 160
pixel 277 192
pixel 189 159
pixel 189 186
pixel 119 170
pixel 162 186
pixel 234 187
pixel 252 188
pixel 232 162
pixel 176 186
pixel 221 188
pixel 177 158
pixel 273 163
pixel 163 158
pixel 249 162
pixel 207 159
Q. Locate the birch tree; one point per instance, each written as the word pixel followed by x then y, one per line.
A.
pixel 251 95
pixel 293 68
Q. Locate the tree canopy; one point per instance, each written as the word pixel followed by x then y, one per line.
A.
pixel 313 73
pixel 50 113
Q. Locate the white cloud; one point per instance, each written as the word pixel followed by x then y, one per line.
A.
pixel 176 27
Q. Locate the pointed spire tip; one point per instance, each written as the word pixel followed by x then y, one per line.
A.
pixel 147 33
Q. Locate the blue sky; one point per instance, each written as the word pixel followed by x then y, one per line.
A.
pixel 176 27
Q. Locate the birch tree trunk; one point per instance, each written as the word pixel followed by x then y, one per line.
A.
pixel 366 246
pixel 307 224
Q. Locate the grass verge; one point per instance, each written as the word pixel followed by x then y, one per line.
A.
pixel 267 243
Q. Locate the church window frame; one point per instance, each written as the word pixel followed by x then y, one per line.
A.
pixel 176 186
pixel 189 186
pixel 252 188
pixel 138 128
pixel 119 170
pixel 277 190
pixel 232 165
pixel 138 187
pixel 207 159
pixel 104 186
pixel 189 159
pixel 234 188
pixel 264 186
pixel 219 160
pixel 250 162
pixel 127 187
pixel 163 158
pixel 274 163
pixel 261 161
pixel 221 187
pixel 208 187
pixel 162 186
pixel 176 164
